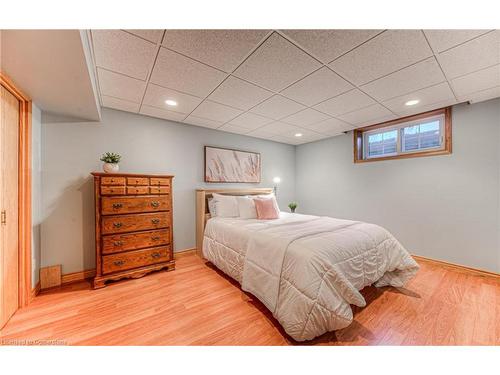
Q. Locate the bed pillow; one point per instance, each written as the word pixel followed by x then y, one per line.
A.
pixel 246 207
pixel 211 207
pixel 225 205
pixel 266 209
pixel 269 196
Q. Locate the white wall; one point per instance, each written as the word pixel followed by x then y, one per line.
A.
pixel 36 191
pixel 72 150
pixel 442 207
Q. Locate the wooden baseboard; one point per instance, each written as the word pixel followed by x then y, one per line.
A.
pixel 36 290
pixel 74 277
pixel 458 266
pixel 185 252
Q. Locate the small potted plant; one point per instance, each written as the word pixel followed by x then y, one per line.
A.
pixel 292 206
pixel 111 161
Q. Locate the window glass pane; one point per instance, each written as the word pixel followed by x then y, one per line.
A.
pixel 422 136
pixel 381 144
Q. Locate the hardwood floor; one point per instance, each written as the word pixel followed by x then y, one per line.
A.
pixel 197 305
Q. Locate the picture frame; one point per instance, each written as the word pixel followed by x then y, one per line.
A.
pixel 227 165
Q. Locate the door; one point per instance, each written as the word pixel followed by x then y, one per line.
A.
pixel 9 254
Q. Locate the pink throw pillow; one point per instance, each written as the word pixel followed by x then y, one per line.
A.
pixel 266 210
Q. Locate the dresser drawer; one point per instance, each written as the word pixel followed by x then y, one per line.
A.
pixel 159 189
pixel 117 181
pixel 159 181
pixel 113 190
pixel 125 205
pixel 132 241
pixel 137 181
pixel 131 223
pixel 137 190
pixel 134 259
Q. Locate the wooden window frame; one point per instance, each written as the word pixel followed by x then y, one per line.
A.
pixel 358 135
pixel 24 191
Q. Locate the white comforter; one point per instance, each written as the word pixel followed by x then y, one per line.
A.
pixel 307 270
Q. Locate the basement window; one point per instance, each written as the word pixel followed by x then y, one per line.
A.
pixel 425 134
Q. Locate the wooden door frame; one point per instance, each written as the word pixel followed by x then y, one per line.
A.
pixel 24 190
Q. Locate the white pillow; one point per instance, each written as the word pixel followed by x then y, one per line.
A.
pixel 211 207
pixel 246 207
pixel 225 205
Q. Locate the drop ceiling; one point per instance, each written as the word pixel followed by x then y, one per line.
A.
pixel 274 84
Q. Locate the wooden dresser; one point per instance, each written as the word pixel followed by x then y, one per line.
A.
pixel 133 225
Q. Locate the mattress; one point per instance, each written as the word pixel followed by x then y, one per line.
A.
pixel 307 270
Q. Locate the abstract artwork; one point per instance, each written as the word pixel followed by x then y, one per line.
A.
pixel 226 165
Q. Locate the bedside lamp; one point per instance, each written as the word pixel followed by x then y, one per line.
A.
pixel 276 181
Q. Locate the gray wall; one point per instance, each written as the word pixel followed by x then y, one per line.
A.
pixel 442 207
pixel 36 192
pixel 72 150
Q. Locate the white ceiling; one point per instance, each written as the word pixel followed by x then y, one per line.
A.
pixel 52 68
pixel 274 84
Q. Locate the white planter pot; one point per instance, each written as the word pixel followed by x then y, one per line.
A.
pixel 111 167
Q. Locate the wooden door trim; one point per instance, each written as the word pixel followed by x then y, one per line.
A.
pixel 24 190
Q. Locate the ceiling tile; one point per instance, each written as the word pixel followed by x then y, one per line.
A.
pixel 222 49
pixel 157 95
pixel 277 107
pixel 327 45
pixel 234 129
pixel 161 113
pixel 306 117
pixel 306 134
pixel 344 103
pixel 239 94
pixel 250 121
pixel 384 54
pixel 425 108
pixel 120 86
pixel 215 111
pixel 331 127
pixel 183 74
pixel 151 35
pixel 276 64
pixel 367 116
pixel 279 128
pixel 427 96
pixel 123 53
pixel 423 74
pixel 474 55
pixel 122 105
pixel 316 87
pixel 441 40
pixel 259 133
pixel 481 96
pixel 477 81
pixel 206 123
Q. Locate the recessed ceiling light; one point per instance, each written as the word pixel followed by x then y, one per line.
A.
pixel 412 102
pixel 171 102
pixel 298 134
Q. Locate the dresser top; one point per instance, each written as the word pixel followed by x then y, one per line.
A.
pixel 101 174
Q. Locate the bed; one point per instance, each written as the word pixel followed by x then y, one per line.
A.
pixel 307 270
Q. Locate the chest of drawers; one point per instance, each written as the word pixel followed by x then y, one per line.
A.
pixel 133 225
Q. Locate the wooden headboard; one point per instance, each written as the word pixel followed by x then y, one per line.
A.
pixel 202 213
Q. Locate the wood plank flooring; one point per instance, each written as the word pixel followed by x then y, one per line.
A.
pixel 197 305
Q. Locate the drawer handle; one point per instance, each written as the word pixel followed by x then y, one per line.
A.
pixel 117 205
pixel 118 243
pixel 117 225
pixel 156 255
pixel 155 204
pixel 156 238
pixel 119 262
pixel 155 221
